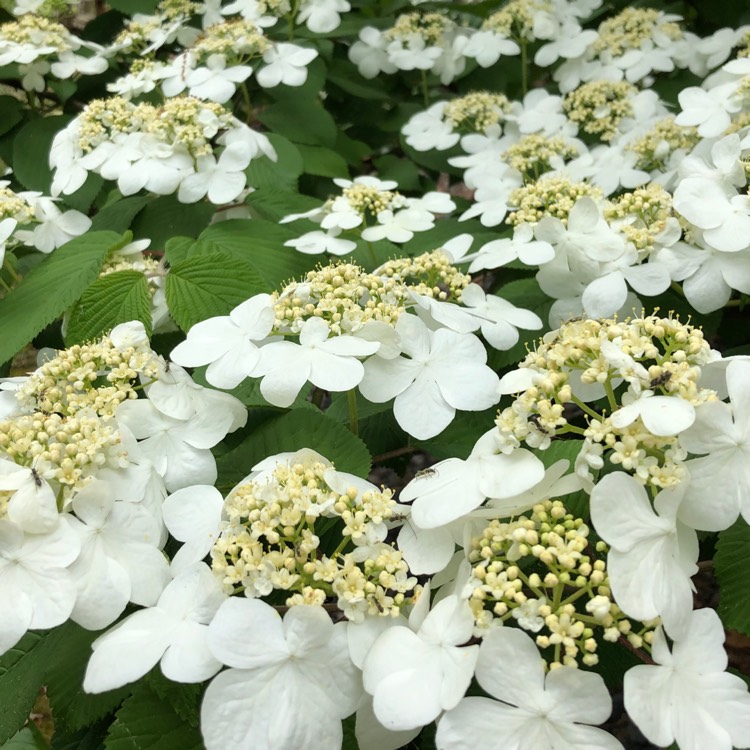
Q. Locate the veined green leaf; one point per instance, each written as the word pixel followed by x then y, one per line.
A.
pixel 147 722
pixel 733 572
pixel 204 286
pixel 48 290
pixel 115 298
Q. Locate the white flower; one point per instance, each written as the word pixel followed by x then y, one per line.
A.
pixel 533 711
pixel 725 220
pixel 455 487
pixel 120 559
pixel 55 228
pixel 174 632
pixel 316 242
pixel 322 16
pixel 444 371
pixel 226 343
pixel 215 81
pixel 662 415
pixel 329 363
pixel 32 504
pixel 687 697
pixel 291 681
pixel 36 589
pixel 413 676
pixel 652 555
pixel 719 487
pixel 7 227
pixel 710 111
pixel 399 226
pixel 500 319
pixel 223 180
pixel 193 516
pixel 369 53
pixel 428 130
pixel 180 449
pixel 285 63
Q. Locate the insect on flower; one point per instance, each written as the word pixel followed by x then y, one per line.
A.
pixel 38 481
pixel 660 379
pixel 425 473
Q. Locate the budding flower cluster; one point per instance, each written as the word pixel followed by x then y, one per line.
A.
pixel 271 540
pixel 653 355
pixel 477 111
pixel 600 106
pixel 664 138
pixel 641 216
pixel 430 274
pixel 535 154
pixel 550 195
pixel 634 28
pixel 343 295
pixel 538 571
pixel 64 426
pixel 430 27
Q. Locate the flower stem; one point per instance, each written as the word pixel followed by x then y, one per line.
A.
pixel 425 89
pixel 373 257
pixel 351 397
pixel 248 105
pixel 585 408
pixel 524 69
pixel 9 268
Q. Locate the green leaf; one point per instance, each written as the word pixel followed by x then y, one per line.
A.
pixel 204 286
pixel 282 173
pixel 345 75
pixel 259 243
pixel 30 150
pixel 48 290
pixel 733 573
pixel 131 7
pixel 12 113
pixel 322 161
pixel 166 217
pixel 183 697
pixel 73 709
pixel 115 298
pixel 29 738
pixel 147 722
pixel 301 121
pixel 273 204
pixel 297 429
pixel 403 171
pixel 118 216
pixel 21 675
pixel 90 738
pixel 178 248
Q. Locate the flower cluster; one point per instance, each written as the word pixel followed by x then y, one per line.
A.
pixel 165 149
pixel 429 41
pixel 659 359
pixel 372 207
pixel 441 126
pixel 81 499
pixel 40 46
pixel 270 539
pixel 539 571
pixel 34 220
pixel 340 315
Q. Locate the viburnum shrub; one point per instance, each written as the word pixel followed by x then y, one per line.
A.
pixel 376 374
